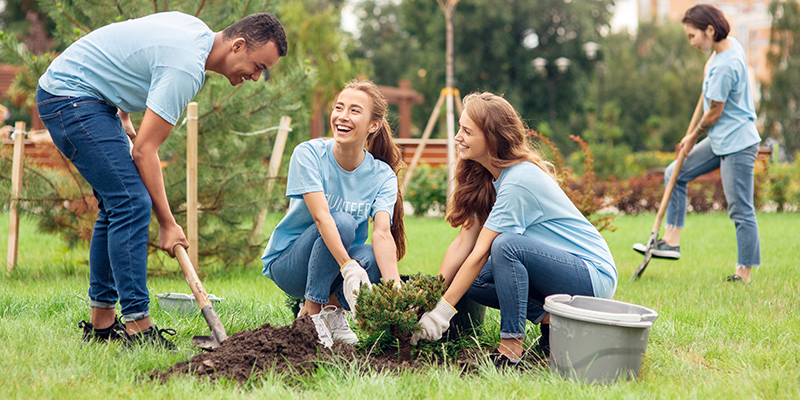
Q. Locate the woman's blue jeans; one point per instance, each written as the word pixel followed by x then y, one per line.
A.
pixel 520 273
pixel 307 270
pixel 736 170
pixel 90 134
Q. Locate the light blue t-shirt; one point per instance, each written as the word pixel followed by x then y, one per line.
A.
pixel 727 82
pixel 363 192
pixel 529 202
pixel 155 62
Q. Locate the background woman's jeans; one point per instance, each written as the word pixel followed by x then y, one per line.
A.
pixel 520 273
pixel 736 170
pixel 307 270
pixel 89 132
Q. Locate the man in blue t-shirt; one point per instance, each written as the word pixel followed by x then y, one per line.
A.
pixel 154 64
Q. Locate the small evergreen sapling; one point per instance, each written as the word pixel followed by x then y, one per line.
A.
pixel 396 310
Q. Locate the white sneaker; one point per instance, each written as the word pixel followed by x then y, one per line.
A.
pixel 323 332
pixel 337 321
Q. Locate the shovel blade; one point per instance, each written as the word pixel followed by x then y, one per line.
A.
pixel 207 343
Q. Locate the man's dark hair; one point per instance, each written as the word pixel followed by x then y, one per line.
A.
pixel 258 30
pixel 703 15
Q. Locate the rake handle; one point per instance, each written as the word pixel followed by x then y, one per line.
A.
pixel 662 208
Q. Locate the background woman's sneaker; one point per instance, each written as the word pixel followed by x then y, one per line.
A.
pixel 660 250
pixel 337 321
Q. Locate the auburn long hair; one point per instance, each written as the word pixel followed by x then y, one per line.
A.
pixel 382 147
pixel 507 145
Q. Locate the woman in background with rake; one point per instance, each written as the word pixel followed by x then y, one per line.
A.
pixel 732 142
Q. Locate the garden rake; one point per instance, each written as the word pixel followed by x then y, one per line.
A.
pixel 662 208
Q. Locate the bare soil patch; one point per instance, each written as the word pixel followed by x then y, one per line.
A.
pixel 293 349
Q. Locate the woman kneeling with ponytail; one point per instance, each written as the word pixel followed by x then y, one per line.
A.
pixel 318 252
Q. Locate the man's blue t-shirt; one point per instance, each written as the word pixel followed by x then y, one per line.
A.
pixel 727 82
pixel 529 202
pixel 363 192
pixel 155 62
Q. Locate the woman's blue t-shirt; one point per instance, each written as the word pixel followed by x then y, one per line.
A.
pixel 529 202
pixel 363 192
pixel 726 81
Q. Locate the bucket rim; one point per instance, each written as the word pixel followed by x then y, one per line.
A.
pixel 184 296
pixel 557 305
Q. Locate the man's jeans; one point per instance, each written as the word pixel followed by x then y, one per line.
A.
pixel 90 134
pixel 307 270
pixel 520 273
pixel 736 170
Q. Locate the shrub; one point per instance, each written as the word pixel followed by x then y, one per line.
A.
pixel 644 193
pixel 782 185
pixel 705 194
pixel 392 310
pixel 427 190
pixel 607 161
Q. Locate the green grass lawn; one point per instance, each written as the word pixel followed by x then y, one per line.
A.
pixel 712 339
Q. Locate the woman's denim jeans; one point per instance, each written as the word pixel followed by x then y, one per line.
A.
pixel 520 273
pixel 307 270
pixel 89 133
pixel 736 170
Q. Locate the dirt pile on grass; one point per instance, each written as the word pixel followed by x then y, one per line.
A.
pixel 293 350
pixel 286 349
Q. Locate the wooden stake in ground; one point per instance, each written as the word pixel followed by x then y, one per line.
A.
pixel 16 189
pixel 277 150
pixel 191 183
pixel 272 171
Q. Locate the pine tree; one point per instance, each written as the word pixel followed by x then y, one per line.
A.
pixel 388 309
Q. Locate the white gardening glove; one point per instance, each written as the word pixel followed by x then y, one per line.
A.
pixel 434 322
pixel 353 276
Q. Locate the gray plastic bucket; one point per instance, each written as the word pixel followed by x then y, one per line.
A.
pixel 182 303
pixel 597 340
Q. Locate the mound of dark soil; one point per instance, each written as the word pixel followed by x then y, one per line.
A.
pixel 291 349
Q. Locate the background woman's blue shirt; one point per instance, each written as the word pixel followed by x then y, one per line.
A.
pixel 727 81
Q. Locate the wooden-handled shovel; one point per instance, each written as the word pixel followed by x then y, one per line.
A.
pixel 218 334
pixel 662 208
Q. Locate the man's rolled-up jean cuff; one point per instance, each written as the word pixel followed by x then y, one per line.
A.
pixel 136 316
pixel 101 304
pixel 505 335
